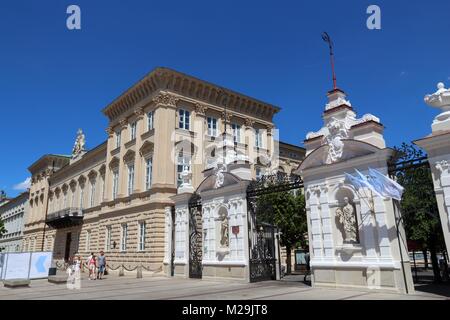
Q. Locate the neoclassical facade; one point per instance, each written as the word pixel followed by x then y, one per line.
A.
pixel 13 213
pixel 112 197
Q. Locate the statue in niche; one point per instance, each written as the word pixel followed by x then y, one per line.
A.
pixel 224 233
pixel 347 217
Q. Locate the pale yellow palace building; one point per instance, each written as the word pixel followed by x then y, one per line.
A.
pixel 112 197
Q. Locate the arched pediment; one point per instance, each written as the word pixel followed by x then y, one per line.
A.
pixel 210 181
pixel 92 174
pixel 129 156
pixel 102 170
pixel 146 148
pixel 114 163
pixel 351 149
pixel 81 179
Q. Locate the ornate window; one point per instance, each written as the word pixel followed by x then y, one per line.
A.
pixel 183 120
pixel 118 138
pixel 148 173
pixel 115 186
pixel 108 238
pixel 130 186
pixel 92 196
pixel 212 126
pixel 258 138
pixel 141 236
pixel 150 120
pixel 133 130
pixel 81 197
pixel 88 240
pixel 124 236
pixel 236 132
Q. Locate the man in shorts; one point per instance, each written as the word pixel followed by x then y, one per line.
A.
pixel 101 265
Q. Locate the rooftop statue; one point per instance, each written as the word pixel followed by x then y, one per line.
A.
pixel 440 99
pixel 80 143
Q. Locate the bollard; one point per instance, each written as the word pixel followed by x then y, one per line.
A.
pixel 121 272
pixel 139 272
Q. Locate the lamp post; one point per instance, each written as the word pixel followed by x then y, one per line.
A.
pixel 326 37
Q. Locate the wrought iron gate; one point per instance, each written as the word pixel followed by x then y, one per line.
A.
pixel 413 171
pixel 263 261
pixel 195 237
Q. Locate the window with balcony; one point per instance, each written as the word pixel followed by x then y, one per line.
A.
pixel 130 185
pixel 212 126
pixel 150 119
pixel 133 130
pixel 236 132
pixel 141 236
pixel 148 173
pixel 183 119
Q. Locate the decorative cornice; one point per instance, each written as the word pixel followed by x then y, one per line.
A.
pixel 164 79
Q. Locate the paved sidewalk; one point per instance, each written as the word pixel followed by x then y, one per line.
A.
pixel 130 288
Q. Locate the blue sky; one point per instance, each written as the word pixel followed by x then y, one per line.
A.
pixel 53 81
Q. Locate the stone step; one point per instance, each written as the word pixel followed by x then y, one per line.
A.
pixel 16 283
pixel 57 279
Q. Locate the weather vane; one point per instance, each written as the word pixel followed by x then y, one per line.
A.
pixel 327 39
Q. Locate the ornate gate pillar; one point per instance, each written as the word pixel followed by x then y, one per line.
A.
pixel 353 235
pixel 437 146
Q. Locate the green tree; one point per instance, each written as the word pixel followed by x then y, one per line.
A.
pixel 286 210
pixel 418 206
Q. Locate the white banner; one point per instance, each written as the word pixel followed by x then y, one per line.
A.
pixel 17 265
pixel 40 263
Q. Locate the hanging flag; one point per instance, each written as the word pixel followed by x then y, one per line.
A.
pixel 384 185
pixel 353 181
pixel 367 183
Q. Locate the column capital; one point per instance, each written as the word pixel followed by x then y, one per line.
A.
pixel 139 113
pixel 166 99
pixel 109 131
pixel 200 109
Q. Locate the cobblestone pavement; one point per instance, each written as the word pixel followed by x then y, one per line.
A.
pixel 114 287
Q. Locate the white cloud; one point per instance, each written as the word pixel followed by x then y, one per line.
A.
pixel 23 186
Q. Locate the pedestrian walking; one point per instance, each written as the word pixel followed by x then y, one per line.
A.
pixel 92 265
pixel 101 265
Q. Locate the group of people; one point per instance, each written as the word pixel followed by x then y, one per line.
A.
pixel 96 266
